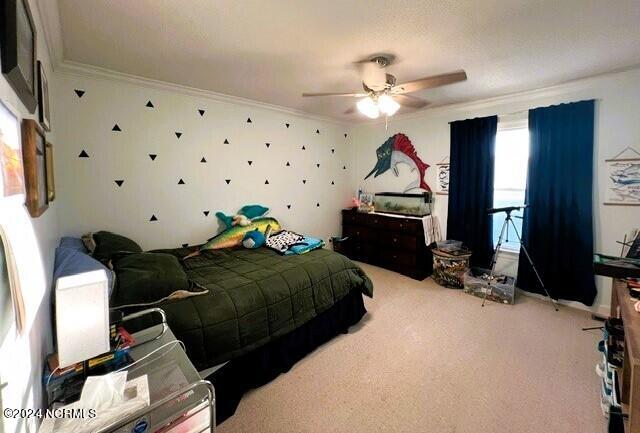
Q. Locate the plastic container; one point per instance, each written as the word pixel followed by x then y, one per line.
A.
pixel 502 289
pixel 449 245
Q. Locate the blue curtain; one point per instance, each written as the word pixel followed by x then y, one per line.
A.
pixel 558 225
pixel 471 170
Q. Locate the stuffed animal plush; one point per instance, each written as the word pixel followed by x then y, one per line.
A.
pixel 253 239
pixel 244 216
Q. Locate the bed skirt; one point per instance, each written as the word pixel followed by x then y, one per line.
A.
pixel 264 364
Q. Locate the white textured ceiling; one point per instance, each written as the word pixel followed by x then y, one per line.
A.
pixel 271 51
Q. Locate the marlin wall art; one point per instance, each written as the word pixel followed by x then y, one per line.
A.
pixel 398 149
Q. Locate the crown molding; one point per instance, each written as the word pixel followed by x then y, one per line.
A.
pixel 77 69
pixel 533 95
pixel 50 21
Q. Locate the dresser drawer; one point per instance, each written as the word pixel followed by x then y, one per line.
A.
pixel 349 217
pixel 360 233
pixel 404 225
pixel 364 252
pixel 371 220
pixel 393 259
pixel 399 241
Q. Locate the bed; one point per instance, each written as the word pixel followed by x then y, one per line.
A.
pixel 262 313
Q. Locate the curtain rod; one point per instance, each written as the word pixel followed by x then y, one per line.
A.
pixel 504 114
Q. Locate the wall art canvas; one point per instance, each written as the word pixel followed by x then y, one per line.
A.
pixel 35 167
pixel 18 50
pixel 399 150
pixel 623 181
pixel 442 178
pixel 11 168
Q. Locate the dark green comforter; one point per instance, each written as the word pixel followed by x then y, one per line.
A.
pixel 255 296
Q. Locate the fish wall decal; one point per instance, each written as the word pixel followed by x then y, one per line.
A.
pixel 396 150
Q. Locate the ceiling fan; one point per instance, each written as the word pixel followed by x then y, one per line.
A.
pixel 381 93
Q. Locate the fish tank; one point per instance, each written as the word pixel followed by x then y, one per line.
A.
pixel 418 204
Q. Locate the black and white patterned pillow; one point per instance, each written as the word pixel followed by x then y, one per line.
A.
pixel 282 240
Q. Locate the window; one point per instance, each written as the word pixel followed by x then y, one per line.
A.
pixel 510 180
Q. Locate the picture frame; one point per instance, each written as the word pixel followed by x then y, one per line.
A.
pixel 51 185
pixel 34 150
pixel 365 202
pixel 18 50
pixel 11 165
pixel 44 111
pixel 623 178
pixel 442 169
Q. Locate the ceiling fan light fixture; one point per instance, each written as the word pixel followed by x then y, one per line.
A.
pixel 368 107
pixel 388 105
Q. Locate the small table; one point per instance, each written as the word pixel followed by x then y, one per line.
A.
pixel 180 401
pixel 449 269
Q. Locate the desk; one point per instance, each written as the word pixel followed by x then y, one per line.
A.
pixel 622 307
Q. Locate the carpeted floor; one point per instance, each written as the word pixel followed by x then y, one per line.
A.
pixel 430 359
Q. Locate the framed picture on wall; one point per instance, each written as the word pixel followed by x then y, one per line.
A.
pixel 623 178
pixel 443 178
pixel 11 168
pixel 18 50
pixel 43 98
pixel 51 186
pixel 34 149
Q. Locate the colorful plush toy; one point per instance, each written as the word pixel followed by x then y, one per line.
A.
pixel 254 239
pixel 248 219
pixel 244 216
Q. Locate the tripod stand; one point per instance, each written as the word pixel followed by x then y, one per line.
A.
pixel 504 233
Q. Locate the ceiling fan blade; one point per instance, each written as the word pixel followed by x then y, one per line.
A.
pixel 429 82
pixel 354 95
pixel 410 101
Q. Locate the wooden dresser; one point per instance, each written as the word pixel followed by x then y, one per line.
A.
pixel 622 307
pixel 395 243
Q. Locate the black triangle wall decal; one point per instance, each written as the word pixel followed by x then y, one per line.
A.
pixel 152 156
pixel 288 165
pixel 333 183
pixel 317 204
pixel 83 154
pixel 149 104
pixel 250 162
pixel 304 181
pixel 304 148
pixel 333 151
pixel 153 218
pixel 178 134
pixel 228 181
pixel 345 135
pixel 267 144
pixel 288 206
pixel 248 119
pixel 317 131
pixel 206 213
pixel 203 159
pixel 226 141
pixel 266 182
pixel 344 167
pixel 185 245
pixel 318 165
pixel 119 182
pixel 181 182
pixel 201 112
pixel 287 125
pixel 79 92
pixel 116 128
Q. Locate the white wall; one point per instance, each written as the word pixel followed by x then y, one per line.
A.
pixel 91 200
pixel 22 356
pixel 617 126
